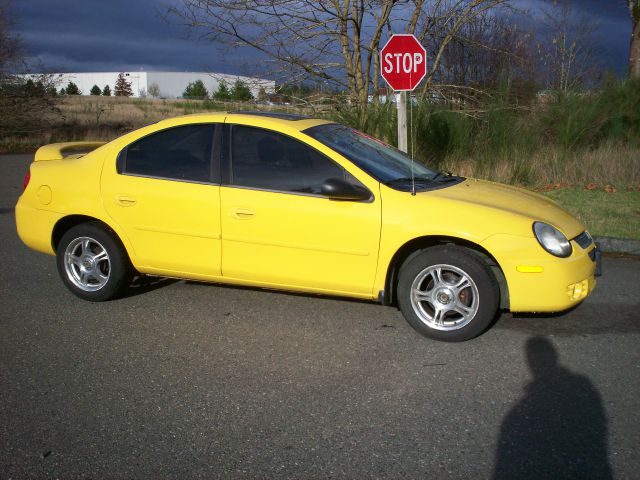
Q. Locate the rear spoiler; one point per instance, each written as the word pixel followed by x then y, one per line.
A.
pixel 60 151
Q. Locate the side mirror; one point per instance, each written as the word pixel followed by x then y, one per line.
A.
pixel 338 189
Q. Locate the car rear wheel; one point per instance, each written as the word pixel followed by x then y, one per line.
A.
pixel 92 263
pixel 447 293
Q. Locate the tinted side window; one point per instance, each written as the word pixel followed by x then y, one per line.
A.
pixel 265 159
pixel 180 153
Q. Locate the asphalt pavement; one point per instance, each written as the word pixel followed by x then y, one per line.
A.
pixel 191 380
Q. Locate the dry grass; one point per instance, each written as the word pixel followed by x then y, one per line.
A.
pixel 96 118
pixel 617 165
pixel 113 111
pixel 105 118
pixel 90 111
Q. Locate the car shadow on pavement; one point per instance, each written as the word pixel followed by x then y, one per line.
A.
pixel 144 284
pixel 558 429
pixel 585 319
pixel 288 293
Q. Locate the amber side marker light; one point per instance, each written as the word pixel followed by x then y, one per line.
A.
pixel 529 269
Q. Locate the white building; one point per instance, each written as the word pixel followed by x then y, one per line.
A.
pixel 170 84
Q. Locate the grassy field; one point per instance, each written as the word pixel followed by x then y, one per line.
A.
pixel 610 214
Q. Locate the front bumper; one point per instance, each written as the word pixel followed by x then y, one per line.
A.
pixel 548 283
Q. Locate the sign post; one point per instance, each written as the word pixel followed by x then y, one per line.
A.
pixel 404 65
pixel 401 105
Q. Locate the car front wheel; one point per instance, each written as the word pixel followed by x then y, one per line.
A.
pixel 92 263
pixel 447 293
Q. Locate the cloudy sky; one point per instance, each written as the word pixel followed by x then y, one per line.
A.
pixel 116 35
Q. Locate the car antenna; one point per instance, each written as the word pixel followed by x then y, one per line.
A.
pixel 413 176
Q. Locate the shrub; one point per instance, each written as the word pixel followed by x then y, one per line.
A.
pixel 495 136
pixel 241 92
pixel 154 90
pixel 195 90
pixel 72 89
pixel 222 93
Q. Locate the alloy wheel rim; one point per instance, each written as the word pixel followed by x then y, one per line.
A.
pixel 87 264
pixel 444 297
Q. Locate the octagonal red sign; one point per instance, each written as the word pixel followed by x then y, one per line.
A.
pixel 403 62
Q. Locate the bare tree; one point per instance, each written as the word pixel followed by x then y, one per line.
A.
pixel 488 50
pixel 634 51
pixel 9 44
pixel 566 51
pixel 25 102
pixel 154 90
pixel 98 106
pixel 440 22
pixel 332 41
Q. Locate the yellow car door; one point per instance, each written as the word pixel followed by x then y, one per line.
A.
pixel 164 193
pixel 277 227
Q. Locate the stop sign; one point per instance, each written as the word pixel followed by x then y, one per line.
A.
pixel 404 62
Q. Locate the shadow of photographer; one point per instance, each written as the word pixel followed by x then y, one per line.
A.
pixel 558 429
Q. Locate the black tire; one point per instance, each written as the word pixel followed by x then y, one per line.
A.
pixel 440 306
pixel 83 268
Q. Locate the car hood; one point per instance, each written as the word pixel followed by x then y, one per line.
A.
pixel 512 200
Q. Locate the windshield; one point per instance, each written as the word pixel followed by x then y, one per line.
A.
pixel 382 161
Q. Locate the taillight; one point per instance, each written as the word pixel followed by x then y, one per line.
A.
pixel 25 182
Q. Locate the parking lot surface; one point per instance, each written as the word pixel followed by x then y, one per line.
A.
pixel 190 380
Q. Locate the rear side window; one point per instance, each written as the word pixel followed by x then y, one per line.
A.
pixel 180 153
pixel 272 161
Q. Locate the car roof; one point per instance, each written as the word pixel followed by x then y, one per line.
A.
pixel 281 115
pixel 274 120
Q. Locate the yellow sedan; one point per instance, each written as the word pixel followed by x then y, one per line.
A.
pixel 293 203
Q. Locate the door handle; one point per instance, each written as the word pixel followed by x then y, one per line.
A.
pixel 242 213
pixel 125 201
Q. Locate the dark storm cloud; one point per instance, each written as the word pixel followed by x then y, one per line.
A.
pixel 95 35
pixel 90 35
pixel 613 34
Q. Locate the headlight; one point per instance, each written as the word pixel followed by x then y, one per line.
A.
pixel 552 239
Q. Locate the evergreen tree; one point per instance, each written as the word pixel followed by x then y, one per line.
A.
pixel 95 90
pixel 123 88
pixel 223 92
pixel 63 91
pixel 241 92
pixel 34 89
pixel 51 91
pixel 195 90
pixel 39 89
pixel 106 91
pixel 72 89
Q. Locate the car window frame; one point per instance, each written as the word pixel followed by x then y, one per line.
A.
pixel 214 160
pixel 226 163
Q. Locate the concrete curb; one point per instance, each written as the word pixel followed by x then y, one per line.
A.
pixel 619 245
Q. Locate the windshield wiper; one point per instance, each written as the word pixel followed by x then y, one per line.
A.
pixel 396 181
pixel 445 175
